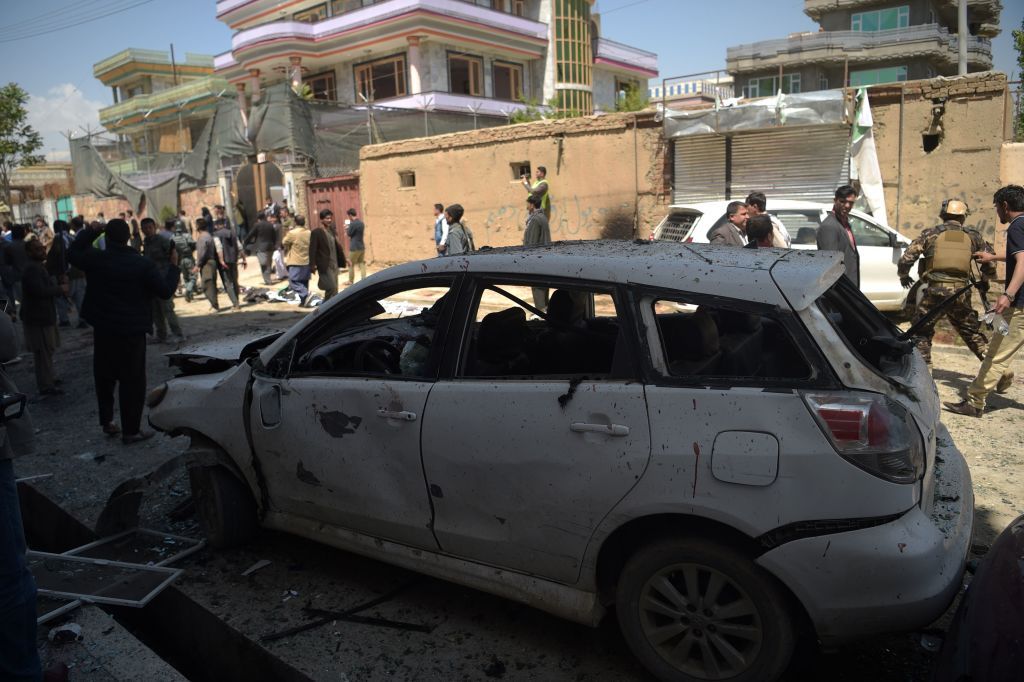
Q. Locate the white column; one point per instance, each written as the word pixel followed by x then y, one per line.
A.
pixel 295 72
pixel 413 58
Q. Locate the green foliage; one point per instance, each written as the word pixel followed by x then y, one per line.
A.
pixel 535 112
pixel 303 91
pixel 19 142
pixel 1018 44
pixel 635 100
pixel 166 213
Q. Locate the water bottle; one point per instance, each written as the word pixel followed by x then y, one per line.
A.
pixel 997 322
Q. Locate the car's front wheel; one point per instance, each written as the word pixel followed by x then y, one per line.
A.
pixel 225 506
pixel 692 610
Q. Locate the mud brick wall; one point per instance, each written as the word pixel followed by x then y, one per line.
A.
pixel 602 169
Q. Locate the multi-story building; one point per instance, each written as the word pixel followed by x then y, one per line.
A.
pixel 160 104
pixel 693 92
pixel 483 56
pixel 865 42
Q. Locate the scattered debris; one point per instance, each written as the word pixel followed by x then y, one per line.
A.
pixel 68 632
pixel 91 457
pixel 349 615
pixel 496 668
pixel 30 479
pixel 140 546
pixel 262 563
pixel 98 580
pixel 122 509
pixel 288 594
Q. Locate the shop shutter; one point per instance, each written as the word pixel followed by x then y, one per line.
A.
pixel 699 169
pixel 791 163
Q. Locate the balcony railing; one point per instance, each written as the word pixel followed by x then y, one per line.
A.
pixel 148 57
pixel 459 9
pixel 176 96
pixel 626 55
pixel 847 41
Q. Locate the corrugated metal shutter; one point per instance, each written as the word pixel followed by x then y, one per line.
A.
pixel 699 169
pixel 791 163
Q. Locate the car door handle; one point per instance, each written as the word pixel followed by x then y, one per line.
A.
pixel 390 414
pixel 606 429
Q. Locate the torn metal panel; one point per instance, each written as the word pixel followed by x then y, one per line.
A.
pixel 48 608
pixel 122 509
pixel 822 107
pixel 98 580
pixel 140 546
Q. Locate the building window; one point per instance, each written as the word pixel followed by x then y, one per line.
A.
pixel 520 169
pixel 406 179
pixel 323 86
pixel 508 81
pixel 822 82
pixel 311 15
pixel 890 74
pixel 574 59
pixel 769 86
pixel 881 19
pixel 519 8
pixel 465 75
pixel 381 79
pixel 342 6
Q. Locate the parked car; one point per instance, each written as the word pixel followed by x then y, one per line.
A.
pixel 725 445
pixel 879 245
pixel 985 641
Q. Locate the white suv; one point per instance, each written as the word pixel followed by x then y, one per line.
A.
pixel 879 245
pixel 729 446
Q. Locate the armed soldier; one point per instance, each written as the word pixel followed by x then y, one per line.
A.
pixel 948 257
pixel 185 245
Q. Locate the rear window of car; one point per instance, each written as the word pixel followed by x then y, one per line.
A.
pixel 801 225
pixel 865 330
pixel 677 226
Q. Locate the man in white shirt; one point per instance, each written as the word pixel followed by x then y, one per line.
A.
pixel 756 203
pixel 440 230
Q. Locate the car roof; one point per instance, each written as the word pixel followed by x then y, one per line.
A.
pixel 773 205
pixel 772 276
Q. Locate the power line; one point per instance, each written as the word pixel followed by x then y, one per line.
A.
pixel 74 23
pixel 616 9
pixel 74 6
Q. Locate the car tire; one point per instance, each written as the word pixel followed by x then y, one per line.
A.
pixel 744 633
pixel 225 506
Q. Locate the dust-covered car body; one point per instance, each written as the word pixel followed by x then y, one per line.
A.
pixel 676 408
pixel 878 245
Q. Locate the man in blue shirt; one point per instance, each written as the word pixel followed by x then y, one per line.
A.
pixel 440 230
pixel 1009 203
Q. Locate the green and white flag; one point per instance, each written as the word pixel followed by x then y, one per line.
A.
pixel 864 160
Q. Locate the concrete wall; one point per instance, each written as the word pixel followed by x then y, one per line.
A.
pixel 598 167
pixel 191 201
pixel 965 165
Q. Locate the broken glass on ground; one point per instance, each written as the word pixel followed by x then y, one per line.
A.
pixel 140 546
pixel 98 580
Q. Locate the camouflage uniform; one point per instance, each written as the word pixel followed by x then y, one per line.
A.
pixel 936 287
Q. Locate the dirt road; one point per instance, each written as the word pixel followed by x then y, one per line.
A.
pixel 473 636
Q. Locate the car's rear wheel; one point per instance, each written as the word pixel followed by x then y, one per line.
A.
pixel 692 610
pixel 225 506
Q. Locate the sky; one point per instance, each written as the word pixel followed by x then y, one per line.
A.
pixel 47 49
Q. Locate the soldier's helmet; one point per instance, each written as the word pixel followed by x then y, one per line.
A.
pixel 954 207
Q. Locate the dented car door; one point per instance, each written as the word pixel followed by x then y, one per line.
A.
pixel 540 431
pixel 338 433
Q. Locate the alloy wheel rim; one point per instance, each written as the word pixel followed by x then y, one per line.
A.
pixel 700 621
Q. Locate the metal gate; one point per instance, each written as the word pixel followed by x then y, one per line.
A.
pixel 785 163
pixel 791 163
pixel 700 173
pixel 338 193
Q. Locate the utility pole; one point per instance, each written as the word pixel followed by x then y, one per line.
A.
pixel 962 35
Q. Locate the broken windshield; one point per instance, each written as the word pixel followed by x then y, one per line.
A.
pixel 865 330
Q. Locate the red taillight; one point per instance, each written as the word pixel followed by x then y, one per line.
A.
pixel 873 432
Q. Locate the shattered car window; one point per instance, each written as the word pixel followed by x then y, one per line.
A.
pixel 388 335
pixel 514 334
pixel 718 341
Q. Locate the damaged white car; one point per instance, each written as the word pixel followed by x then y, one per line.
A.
pixel 732 448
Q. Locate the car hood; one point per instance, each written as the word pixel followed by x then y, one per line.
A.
pixel 219 355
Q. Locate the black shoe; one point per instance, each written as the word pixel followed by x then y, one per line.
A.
pixel 965 408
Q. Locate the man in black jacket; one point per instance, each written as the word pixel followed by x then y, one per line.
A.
pixel 120 287
pixel 264 236
pixel 231 251
pixel 835 233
